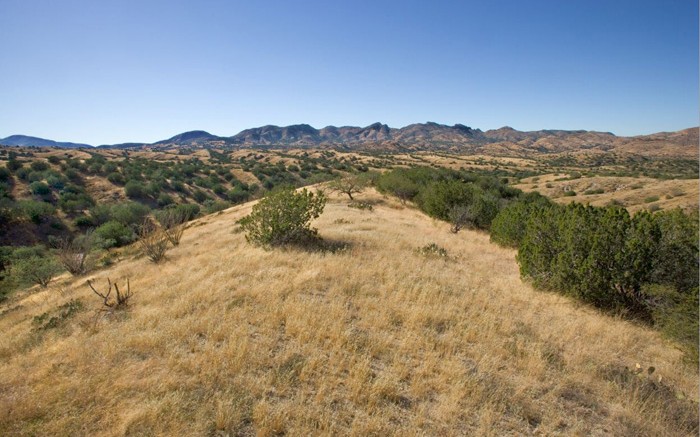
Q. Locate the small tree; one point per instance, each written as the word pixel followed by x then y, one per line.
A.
pixel 283 217
pixel 349 185
pixel 36 270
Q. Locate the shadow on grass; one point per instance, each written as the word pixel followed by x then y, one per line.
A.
pixel 318 245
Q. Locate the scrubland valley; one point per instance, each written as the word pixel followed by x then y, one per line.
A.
pixel 443 293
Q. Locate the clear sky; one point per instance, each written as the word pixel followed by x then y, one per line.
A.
pixel 102 72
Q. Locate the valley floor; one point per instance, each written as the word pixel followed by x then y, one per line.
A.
pixel 377 339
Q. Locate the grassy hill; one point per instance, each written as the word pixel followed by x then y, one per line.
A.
pixel 379 338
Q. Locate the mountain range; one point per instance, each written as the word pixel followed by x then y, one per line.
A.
pixel 416 137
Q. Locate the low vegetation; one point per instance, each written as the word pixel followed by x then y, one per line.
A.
pixel 283 218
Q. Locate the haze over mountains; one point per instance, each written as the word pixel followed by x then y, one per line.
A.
pixel 416 137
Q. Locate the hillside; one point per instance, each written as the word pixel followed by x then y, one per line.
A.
pixel 376 339
pixel 635 194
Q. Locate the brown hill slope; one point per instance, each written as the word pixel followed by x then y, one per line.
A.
pixel 226 339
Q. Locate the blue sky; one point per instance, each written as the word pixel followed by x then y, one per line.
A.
pixel 103 72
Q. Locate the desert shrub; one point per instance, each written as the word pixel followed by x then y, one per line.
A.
pixel 164 199
pixel 188 210
pixel 5 174
pixel 398 184
pixel 432 250
pixel 55 181
pixel 71 202
pixel 200 196
pixel 101 214
pixel 35 269
pixel 238 195
pixel 283 217
pixel 39 189
pixel 83 221
pixel 676 256
pixel 600 255
pixel 508 227
pixel 113 234
pixel 675 314
pixel 13 165
pixel 39 166
pixel 36 211
pixel 116 178
pixel 651 199
pixel 129 213
pixel 594 191
pixel 135 190
pixel 212 206
pixel 569 193
pixel 364 206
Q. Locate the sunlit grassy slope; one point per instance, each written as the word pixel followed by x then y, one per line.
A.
pixel 228 339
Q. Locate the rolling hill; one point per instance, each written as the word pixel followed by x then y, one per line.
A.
pixel 376 339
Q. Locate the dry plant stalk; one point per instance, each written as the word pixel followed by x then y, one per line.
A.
pixel 73 255
pixel 120 301
pixel 153 240
pixel 173 223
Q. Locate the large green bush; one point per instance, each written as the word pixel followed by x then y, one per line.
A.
pixel 113 234
pixel 283 217
pixel 33 265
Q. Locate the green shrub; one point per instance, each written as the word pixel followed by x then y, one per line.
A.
pixel 13 165
pixel 113 234
pixel 238 195
pixel 200 196
pixel 283 217
pixel 508 227
pixel 212 206
pixel 35 269
pixel 5 174
pixel 39 189
pixel 116 178
pixel 398 184
pixel 130 214
pixel 651 199
pixel 165 199
pixel 134 190
pixel 36 211
pixel 39 166
pixel 188 211
pixel 569 193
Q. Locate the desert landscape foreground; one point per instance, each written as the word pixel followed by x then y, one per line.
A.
pixel 375 337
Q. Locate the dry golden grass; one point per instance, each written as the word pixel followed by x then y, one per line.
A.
pixel 634 193
pixel 227 339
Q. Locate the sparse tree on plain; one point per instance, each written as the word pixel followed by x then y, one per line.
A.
pixel 349 185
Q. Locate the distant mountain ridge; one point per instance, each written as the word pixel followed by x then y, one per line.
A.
pixel 429 136
pixel 27 141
